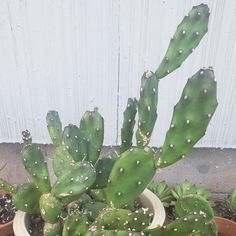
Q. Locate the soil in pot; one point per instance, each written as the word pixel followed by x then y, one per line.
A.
pixel 222 209
pixel 7 213
pixel 36 225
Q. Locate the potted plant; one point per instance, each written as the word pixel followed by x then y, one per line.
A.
pixel 226 211
pixel 7 211
pixel 106 195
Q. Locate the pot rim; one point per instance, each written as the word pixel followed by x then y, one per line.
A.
pixel 147 198
pixel 224 219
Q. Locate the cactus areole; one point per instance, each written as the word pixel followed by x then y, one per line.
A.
pixel 96 193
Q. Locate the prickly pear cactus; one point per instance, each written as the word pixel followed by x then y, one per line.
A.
pixel 36 166
pixel 7 187
pixel 75 181
pixel 122 219
pixel 54 127
pixel 129 176
pixel 27 198
pixel 62 161
pixel 193 203
pixel 186 38
pixel 194 224
pixel 103 169
pixel 113 233
pixel 75 224
pixel 52 229
pixel 191 117
pixel 92 131
pixel 128 124
pixel 147 108
pixel 75 145
pixel 50 208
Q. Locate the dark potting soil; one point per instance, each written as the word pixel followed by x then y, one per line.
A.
pixel 221 207
pixel 36 225
pixel 7 209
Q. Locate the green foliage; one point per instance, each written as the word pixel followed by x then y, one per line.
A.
pixel 162 191
pixel 231 201
pixel 186 188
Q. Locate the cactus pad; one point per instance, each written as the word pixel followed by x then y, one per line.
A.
pixel 75 181
pixel 27 198
pixel 186 38
pixel 62 161
pixel 36 166
pixel 7 187
pixel 52 229
pixel 191 117
pixel 128 124
pixel 50 208
pixel 92 131
pixel 103 169
pixel 130 176
pixel 147 108
pixel 193 203
pixel 75 145
pixel 54 127
pixel 75 224
pixel 194 224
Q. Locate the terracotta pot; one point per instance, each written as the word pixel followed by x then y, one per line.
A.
pixel 147 198
pixel 225 227
pixel 6 229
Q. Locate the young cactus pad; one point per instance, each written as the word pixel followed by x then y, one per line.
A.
pixel 62 161
pixel 103 169
pixel 191 117
pixel 36 166
pixel 27 198
pixel 194 224
pixel 128 124
pixel 231 201
pixel 193 203
pixel 113 233
pixel 74 143
pixel 54 127
pixel 147 108
pixel 129 176
pixel 92 131
pixel 7 187
pixel 75 181
pixel 186 38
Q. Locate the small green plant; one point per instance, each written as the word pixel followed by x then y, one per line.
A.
pixel 94 194
pixel 186 188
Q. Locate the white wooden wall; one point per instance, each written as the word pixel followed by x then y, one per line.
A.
pixel 72 55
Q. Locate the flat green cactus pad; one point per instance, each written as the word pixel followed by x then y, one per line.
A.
pixel 191 117
pixel 130 176
pixel 186 38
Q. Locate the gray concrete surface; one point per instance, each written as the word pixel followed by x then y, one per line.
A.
pixel 206 167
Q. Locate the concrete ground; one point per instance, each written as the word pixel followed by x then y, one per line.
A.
pixel 206 167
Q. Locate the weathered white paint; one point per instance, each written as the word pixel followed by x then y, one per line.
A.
pixel 73 55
